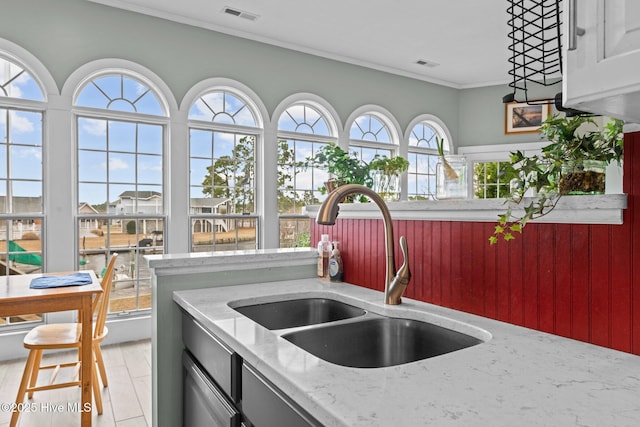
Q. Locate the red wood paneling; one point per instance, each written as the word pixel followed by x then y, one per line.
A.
pixel 577 281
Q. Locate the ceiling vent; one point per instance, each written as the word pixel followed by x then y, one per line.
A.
pixel 426 63
pixel 240 13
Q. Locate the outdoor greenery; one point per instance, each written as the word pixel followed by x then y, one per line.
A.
pixel 492 179
pixel 574 140
pixel 345 167
pixel 389 166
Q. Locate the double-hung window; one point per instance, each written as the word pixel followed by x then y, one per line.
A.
pixel 423 158
pixel 302 130
pixel 22 221
pixel 121 127
pixel 223 136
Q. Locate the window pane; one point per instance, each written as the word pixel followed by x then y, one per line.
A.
pixel 150 169
pixel 122 167
pixel 227 176
pixel 132 238
pixel 25 127
pixel 26 162
pixel 16 82
pixel 92 133
pixel 369 128
pixel 93 198
pixel 201 143
pixel 423 135
pixel 122 136
pixel 294 232
pixel 222 107
pixel 303 119
pixel 150 139
pixel 223 234
pixel 491 179
pixel 122 93
pixel 92 166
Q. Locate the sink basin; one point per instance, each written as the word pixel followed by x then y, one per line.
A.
pixel 379 342
pixel 299 312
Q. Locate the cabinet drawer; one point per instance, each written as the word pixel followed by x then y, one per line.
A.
pixel 267 406
pixel 203 403
pixel 220 362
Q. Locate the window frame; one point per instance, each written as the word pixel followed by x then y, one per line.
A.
pixel 213 126
pixel 108 115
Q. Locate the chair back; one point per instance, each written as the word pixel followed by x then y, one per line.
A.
pixel 102 306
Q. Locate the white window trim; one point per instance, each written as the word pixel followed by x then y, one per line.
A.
pixel 261 172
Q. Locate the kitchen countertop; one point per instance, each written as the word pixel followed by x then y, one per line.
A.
pixel 517 377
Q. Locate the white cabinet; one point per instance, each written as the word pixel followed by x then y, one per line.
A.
pixel 602 73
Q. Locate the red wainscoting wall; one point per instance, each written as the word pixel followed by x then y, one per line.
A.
pixel 577 281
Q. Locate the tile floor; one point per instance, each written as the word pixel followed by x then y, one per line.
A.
pixel 126 401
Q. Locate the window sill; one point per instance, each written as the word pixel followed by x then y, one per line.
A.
pixel 601 209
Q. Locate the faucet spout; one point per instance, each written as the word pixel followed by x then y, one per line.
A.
pixel 395 284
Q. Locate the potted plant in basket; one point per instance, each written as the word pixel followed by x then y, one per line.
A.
pixel 385 173
pixel 573 163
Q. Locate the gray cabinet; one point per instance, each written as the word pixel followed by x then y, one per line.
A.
pixel 267 405
pixel 203 402
pixel 219 389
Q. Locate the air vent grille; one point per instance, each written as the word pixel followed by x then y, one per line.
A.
pixel 240 13
pixel 426 63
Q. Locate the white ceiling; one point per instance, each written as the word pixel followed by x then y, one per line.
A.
pixel 467 38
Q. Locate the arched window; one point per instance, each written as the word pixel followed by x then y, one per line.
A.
pixel 223 134
pixel 121 127
pixel 303 128
pixel 22 110
pixel 423 158
pixel 370 135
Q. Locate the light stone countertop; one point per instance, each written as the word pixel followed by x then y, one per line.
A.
pixel 518 377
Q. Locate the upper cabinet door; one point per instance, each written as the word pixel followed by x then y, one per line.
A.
pixel 602 69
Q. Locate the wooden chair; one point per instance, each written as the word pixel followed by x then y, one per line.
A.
pixel 67 336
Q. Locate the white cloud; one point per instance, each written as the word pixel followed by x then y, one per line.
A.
pixel 149 167
pixel 116 163
pixel 20 123
pixel 26 153
pixel 94 127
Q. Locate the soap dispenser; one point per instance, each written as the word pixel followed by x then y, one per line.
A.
pixel 335 264
pixel 324 253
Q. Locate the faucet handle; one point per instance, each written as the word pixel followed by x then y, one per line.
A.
pixel 404 272
pixel 403 276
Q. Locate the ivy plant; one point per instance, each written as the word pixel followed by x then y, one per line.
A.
pixel 543 172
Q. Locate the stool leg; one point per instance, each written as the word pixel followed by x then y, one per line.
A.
pixel 23 387
pixel 103 372
pixel 97 394
pixel 34 371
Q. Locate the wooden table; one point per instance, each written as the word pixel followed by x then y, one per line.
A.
pixel 16 298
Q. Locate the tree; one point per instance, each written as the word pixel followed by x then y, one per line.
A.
pixel 232 176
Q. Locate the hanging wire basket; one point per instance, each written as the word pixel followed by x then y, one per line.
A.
pixel 534 45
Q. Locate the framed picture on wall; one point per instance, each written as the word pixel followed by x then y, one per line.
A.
pixel 521 117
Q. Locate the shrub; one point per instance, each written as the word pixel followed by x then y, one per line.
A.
pixel 131 227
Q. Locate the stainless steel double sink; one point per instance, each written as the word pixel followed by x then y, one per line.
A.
pixel 351 336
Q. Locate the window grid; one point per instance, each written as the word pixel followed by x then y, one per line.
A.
pixel 423 158
pixel 492 179
pixel 302 131
pixel 222 156
pixel 370 136
pixel 16 82
pixel 22 223
pixel 120 158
